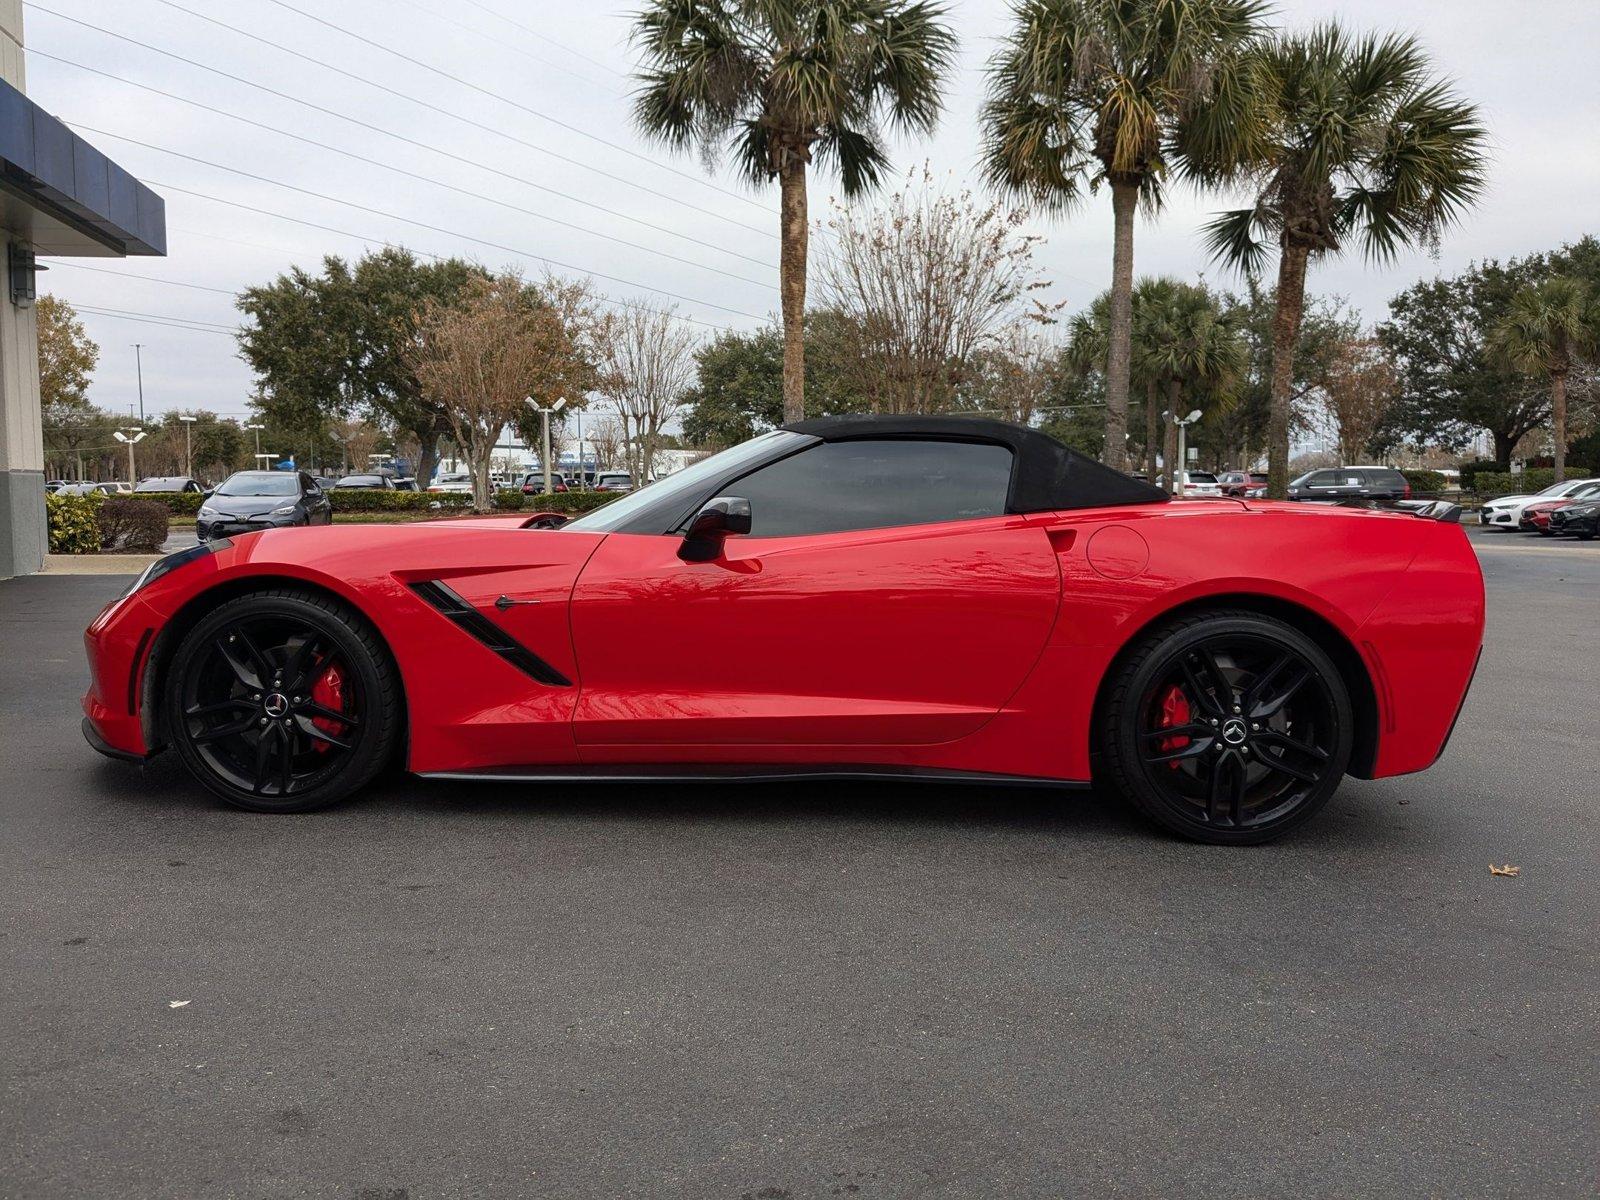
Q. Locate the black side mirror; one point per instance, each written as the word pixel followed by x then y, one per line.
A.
pixel 711 527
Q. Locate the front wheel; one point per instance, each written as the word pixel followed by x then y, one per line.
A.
pixel 282 701
pixel 1226 727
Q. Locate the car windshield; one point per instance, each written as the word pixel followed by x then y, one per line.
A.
pixel 259 483
pixel 161 484
pixel 683 484
pixel 1201 477
pixel 360 481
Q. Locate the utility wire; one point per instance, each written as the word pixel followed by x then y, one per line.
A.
pixel 449 187
pixel 491 129
pixel 378 212
pixel 56 263
pixel 493 95
pixel 378 129
pixel 366 239
pixel 543 37
pixel 497 42
pixel 160 319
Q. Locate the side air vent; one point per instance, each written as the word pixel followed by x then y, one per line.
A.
pixel 478 626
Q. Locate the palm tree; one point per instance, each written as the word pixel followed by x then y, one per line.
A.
pixel 1088 336
pixel 1360 143
pixel 1198 352
pixel 1547 326
pixel 789 83
pixel 1090 92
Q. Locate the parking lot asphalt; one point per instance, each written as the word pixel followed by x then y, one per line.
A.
pixel 795 991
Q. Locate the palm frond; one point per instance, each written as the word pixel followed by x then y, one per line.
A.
pixel 1234 239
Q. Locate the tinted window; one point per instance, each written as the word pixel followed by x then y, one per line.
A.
pixel 361 481
pixel 875 484
pixel 1200 477
pixel 1386 479
pixel 1323 479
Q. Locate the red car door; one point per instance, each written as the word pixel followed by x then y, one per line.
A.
pixel 906 634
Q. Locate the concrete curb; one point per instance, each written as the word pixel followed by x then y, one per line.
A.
pixel 97 564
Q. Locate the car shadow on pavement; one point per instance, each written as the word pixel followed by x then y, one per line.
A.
pixel 1361 816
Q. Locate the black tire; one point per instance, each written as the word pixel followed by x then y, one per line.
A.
pixel 228 676
pixel 1194 735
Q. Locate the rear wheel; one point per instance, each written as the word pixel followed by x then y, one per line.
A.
pixel 1227 727
pixel 282 701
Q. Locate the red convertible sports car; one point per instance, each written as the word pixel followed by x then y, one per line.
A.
pixel 929 598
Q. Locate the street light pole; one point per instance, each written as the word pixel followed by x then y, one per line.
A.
pixel 132 437
pixel 544 415
pixel 1182 469
pixel 258 428
pixel 188 445
pixel 138 367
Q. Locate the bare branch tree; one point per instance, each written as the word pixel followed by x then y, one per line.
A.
pixel 1359 389
pixel 929 281
pixel 647 367
pixel 482 357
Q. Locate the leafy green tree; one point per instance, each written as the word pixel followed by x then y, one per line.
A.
pixel 1359 144
pixel 1451 383
pixel 327 346
pixel 740 388
pixel 1547 327
pixel 789 83
pixel 1089 335
pixel 1119 92
pixel 1196 349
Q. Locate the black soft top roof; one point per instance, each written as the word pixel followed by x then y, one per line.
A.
pixel 1045 476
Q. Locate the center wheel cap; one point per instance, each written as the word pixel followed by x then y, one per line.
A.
pixel 1234 732
pixel 275 705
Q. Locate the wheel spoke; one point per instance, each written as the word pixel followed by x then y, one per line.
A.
pixel 1225 796
pixel 221 706
pixel 1272 737
pixel 314 709
pixel 285 760
pixel 1193 750
pixel 230 729
pixel 312 729
pixel 1200 689
pixel 305 664
pixel 263 772
pixel 1267 704
pixel 1284 767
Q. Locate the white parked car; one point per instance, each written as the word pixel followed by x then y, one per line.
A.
pixel 1503 512
pixel 454 481
pixel 1201 483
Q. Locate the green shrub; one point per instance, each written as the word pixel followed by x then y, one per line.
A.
pixel 1489 484
pixel 132 524
pixel 74 523
pixel 1425 482
pixel 571 502
pixel 1472 468
pixel 352 500
pixel 510 499
pixel 178 504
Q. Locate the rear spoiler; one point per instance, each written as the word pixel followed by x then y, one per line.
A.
pixel 1428 510
pixel 545 520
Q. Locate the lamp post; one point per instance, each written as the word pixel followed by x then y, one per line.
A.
pixel 188 444
pixel 544 414
pixel 258 428
pixel 138 367
pixel 132 437
pixel 1182 468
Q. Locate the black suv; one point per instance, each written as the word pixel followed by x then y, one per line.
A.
pixel 1384 485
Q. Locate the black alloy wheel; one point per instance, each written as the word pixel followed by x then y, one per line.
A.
pixel 282 701
pixel 1227 727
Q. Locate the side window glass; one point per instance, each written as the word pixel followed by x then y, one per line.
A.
pixel 838 486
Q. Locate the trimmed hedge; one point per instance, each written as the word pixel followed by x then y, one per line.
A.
pixel 571 502
pixel 178 504
pixel 74 523
pixel 132 525
pixel 1489 484
pixel 1430 482
pixel 350 500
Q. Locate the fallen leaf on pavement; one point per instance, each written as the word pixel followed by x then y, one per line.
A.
pixel 1508 869
pixel 181 1003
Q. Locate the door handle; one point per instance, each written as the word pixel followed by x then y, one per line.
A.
pixel 506 602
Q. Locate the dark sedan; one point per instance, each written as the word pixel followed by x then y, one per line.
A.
pixel 1383 485
pixel 1580 518
pixel 249 500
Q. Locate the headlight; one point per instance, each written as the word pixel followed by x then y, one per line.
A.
pixel 172 562
pixel 285 511
pixel 207 511
pixel 1583 510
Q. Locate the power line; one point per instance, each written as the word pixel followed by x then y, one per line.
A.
pixel 56 263
pixel 450 187
pixel 366 240
pixel 168 321
pixel 533 112
pixel 544 37
pixel 378 212
pixel 494 41
pixel 491 129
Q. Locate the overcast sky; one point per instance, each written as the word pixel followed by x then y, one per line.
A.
pixel 552 119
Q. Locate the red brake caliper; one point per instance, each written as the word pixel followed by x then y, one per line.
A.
pixel 1174 712
pixel 328 691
